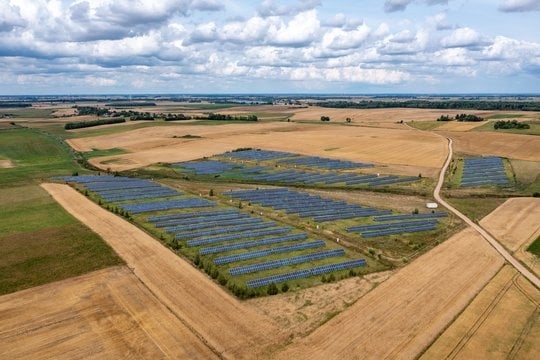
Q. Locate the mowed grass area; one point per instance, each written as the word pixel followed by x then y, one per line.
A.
pixel 40 241
pixel 425 125
pixel 476 208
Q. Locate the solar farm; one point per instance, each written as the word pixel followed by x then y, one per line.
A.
pixel 243 248
pixel 264 166
pixel 482 171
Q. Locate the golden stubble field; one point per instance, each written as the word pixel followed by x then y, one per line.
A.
pixel 503 321
pixel 403 147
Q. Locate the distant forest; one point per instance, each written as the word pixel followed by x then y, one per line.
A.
pixel 427 104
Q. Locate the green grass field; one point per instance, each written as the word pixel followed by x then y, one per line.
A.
pixel 40 241
pixel 476 208
pixel 425 125
pixel 504 116
pixel 534 130
pixel 535 247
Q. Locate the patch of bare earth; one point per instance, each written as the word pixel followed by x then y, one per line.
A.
pixel 229 327
pixel 106 314
pixel 403 315
pixel 6 164
pixel 299 313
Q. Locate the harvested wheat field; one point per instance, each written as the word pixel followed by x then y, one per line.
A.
pixel 402 316
pixel 514 222
pixel 523 147
pixel 503 322
pixel 389 115
pixel 151 145
pixel 228 326
pixel 105 314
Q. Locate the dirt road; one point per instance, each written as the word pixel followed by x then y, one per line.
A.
pixel 492 241
pixel 230 328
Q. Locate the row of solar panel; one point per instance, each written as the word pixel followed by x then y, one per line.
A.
pixel 412 229
pixel 305 273
pixel 197 220
pixel 267 265
pixel 325 163
pixel 237 236
pixel 224 230
pixel 187 215
pixel 271 251
pixel 410 216
pixel 211 224
pixel 390 225
pixel 137 208
pixel 252 243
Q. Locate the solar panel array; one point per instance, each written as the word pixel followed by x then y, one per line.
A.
pixel 267 265
pixel 415 223
pixel 223 232
pixel 305 205
pixel 118 188
pixel 318 270
pixel 480 171
pixel 324 163
pixel 137 208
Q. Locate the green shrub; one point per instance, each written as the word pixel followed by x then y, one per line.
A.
pixel 272 289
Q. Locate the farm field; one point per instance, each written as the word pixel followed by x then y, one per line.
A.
pixel 403 147
pixel 40 241
pixel 206 308
pixel 402 320
pixel 522 147
pixel 502 322
pixel 109 313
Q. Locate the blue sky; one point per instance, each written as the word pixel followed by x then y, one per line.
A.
pixel 269 46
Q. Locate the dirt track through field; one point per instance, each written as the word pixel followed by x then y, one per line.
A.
pixel 105 314
pixel 226 325
pixel 404 315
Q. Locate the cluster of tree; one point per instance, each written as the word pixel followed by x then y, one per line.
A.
pixel 325 118
pixel 510 124
pixel 142 116
pixel 91 110
pixel 173 117
pixel 460 117
pixel 85 124
pixel 468 117
pixel 14 104
pixel 213 116
pixel 434 104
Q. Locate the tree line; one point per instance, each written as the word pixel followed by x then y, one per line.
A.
pixel 510 124
pixel 460 117
pixel 85 124
pixel 430 104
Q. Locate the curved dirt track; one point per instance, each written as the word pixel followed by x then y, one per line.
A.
pixel 104 314
pixel 492 241
pixel 225 324
pixel 403 315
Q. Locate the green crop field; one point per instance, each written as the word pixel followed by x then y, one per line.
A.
pixel 40 241
pixel 534 130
